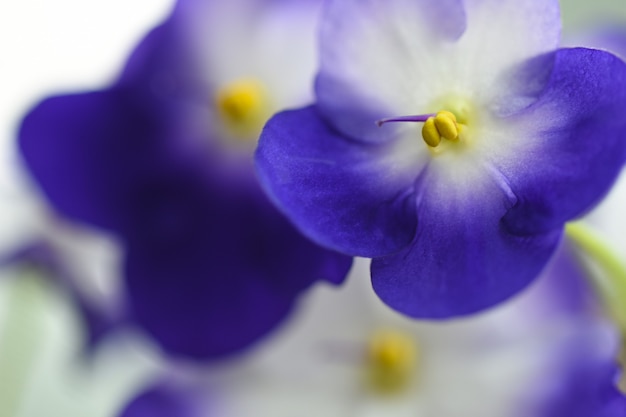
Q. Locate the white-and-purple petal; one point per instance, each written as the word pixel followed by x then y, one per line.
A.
pixel 563 153
pixel 462 259
pixel 353 197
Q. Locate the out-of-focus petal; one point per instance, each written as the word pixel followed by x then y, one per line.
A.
pixel 82 150
pixel 209 271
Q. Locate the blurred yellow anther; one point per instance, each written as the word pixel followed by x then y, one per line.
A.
pixel 443 125
pixel 391 361
pixel 243 106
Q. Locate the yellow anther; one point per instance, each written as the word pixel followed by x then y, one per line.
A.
pixel 431 135
pixel 447 114
pixel 391 361
pixel 445 122
pixel 243 106
pixel 443 125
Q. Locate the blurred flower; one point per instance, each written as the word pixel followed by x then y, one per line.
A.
pixel 345 353
pixel 520 138
pixel 163 160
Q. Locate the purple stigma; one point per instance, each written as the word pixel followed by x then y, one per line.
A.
pixel 416 118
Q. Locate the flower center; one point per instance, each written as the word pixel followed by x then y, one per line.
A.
pixel 391 360
pixel 442 125
pixel 244 107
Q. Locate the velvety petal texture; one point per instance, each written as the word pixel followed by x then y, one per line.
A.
pixel 569 145
pixel 464 222
pixel 462 259
pixel 210 265
pixel 348 196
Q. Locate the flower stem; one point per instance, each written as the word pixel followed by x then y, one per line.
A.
pixel 611 281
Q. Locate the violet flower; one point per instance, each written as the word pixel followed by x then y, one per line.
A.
pixel 520 138
pixel 163 160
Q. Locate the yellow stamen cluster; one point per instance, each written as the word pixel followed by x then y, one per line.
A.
pixel 443 125
pixel 243 106
pixel 391 360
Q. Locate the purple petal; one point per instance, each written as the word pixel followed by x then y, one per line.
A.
pixel 462 259
pixel 209 271
pixel 82 150
pixel 348 196
pixel 164 68
pixel 85 150
pixel 196 308
pixel 570 144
